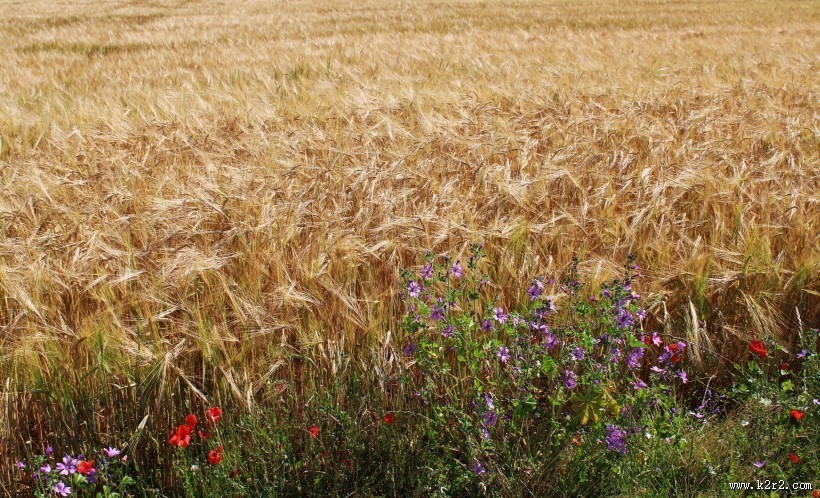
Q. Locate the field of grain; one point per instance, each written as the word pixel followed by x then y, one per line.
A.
pixel 202 186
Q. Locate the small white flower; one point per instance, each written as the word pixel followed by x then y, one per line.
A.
pixel 744 423
pixel 194 468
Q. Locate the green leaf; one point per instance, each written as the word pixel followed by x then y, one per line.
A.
pixel 787 386
pixel 634 342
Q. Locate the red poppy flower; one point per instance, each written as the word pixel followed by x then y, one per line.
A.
pixel 783 366
pixel 314 431
pixel 758 349
pixel 214 413
pixel 389 418
pixel 203 435
pixel 646 339
pixel 215 456
pixel 794 458
pixel 85 467
pixel 346 462
pixel 234 473
pixel 815 494
pixel 676 352
pixel 191 420
pixel 181 437
pixel 796 414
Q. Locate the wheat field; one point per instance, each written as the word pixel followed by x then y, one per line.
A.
pixel 223 183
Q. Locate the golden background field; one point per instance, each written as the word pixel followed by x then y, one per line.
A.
pixel 227 180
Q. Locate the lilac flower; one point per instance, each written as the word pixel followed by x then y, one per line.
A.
pixel 641 314
pixel 578 354
pixel 638 385
pixel 49 451
pixel 426 271
pixel 606 293
pixel 486 325
pixel 478 468
pixel 21 465
pixel 499 315
pixel 111 452
pixel 61 489
pixel 410 348
pixel 485 433
pixel 438 313
pixel 816 402
pixel 624 319
pixel 448 331
pixel 45 469
pixel 489 401
pixel 68 466
pixel 656 339
pixel 803 353
pixel 457 271
pixel 633 361
pixel 682 376
pixel 490 419
pixel 759 465
pixel 657 370
pixel 414 289
pixel 616 439
pixel 503 354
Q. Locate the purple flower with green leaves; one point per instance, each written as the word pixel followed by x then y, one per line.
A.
pixel 578 354
pixel 478 468
pixel 426 271
pixel 616 439
pixel 624 319
pixel 437 314
pixel 67 466
pixel 682 376
pixel 570 379
pixel 486 325
pixel 410 348
pixel 503 354
pixel 456 270
pixel 535 291
pixel 414 289
pixel 45 469
pixel 111 452
pixel 448 331
pixel 633 361
pixel 499 315
pixel 61 489
pixel 638 385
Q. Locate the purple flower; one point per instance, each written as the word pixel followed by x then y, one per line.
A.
pixel 682 376
pixel 550 341
pixel 578 354
pixel 624 319
pixel 657 370
pixel 111 452
pixel 448 331
pixel 638 385
pixel 503 354
pixel 410 348
pixel 68 466
pixel 438 313
pixel 21 465
pixel 616 439
pixel 486 325
pixel 656 339
pixel 478 468
pixel 570 380
pixel 61 489
pixel 457 271
pixel 499 315
pixel 489 401
pixel 816 402
pixel 606 293
pixel 535 290
pixel 803 353
pixel 759 465
pixel 426 271
pixel 45 469
pixel 633 361
pixel 414 289
pixel 490 419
